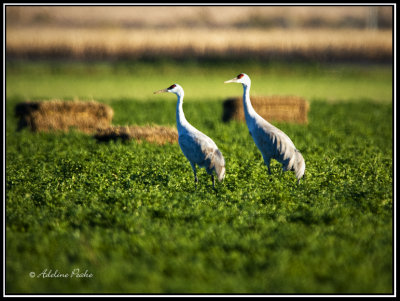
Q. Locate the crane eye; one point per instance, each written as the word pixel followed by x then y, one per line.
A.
pixel 240 75
pixel 173 86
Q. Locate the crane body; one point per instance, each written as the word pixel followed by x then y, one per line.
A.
pixel 271 141
pixel 197 147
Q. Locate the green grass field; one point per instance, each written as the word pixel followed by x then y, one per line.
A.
pixel 129 213
pixel 201 80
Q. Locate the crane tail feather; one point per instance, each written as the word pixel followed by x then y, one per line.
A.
pixel 219 165
pixel 221 174
pixel 300 165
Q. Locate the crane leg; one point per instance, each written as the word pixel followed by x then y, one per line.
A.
pixel 267 162
pixel 213 181
pixel 195 175
pixel 298 180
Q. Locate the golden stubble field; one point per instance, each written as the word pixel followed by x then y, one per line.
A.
pixel 133 43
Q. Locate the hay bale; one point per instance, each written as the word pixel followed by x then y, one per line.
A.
pixel 86 116
pixel 151 133
pixel 272 108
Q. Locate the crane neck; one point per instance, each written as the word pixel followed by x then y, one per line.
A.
pixel 181 121
pixel 249 111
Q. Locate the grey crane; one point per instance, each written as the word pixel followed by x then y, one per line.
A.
pixel 197 147
pixel 271 141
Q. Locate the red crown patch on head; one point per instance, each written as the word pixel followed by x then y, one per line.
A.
pixel 240 75
pixel 173 86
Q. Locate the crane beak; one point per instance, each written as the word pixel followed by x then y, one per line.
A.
pixel 161 91
pixel 233 80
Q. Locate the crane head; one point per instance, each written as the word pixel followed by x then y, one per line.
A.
pixel 242 78
pixel 175 88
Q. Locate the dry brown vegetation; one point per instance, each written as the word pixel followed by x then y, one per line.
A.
pixel 265 16
pixel 60 115
pixel 224 43
pixel 222 32
pixel 89 117
pixel 272 108
pixel 151 133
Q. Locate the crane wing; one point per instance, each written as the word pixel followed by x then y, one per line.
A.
pixel 273 142
pixel 200 149
pixel 195 147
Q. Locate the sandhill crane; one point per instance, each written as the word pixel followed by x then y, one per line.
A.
pixel 271 141
pixel 197 147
